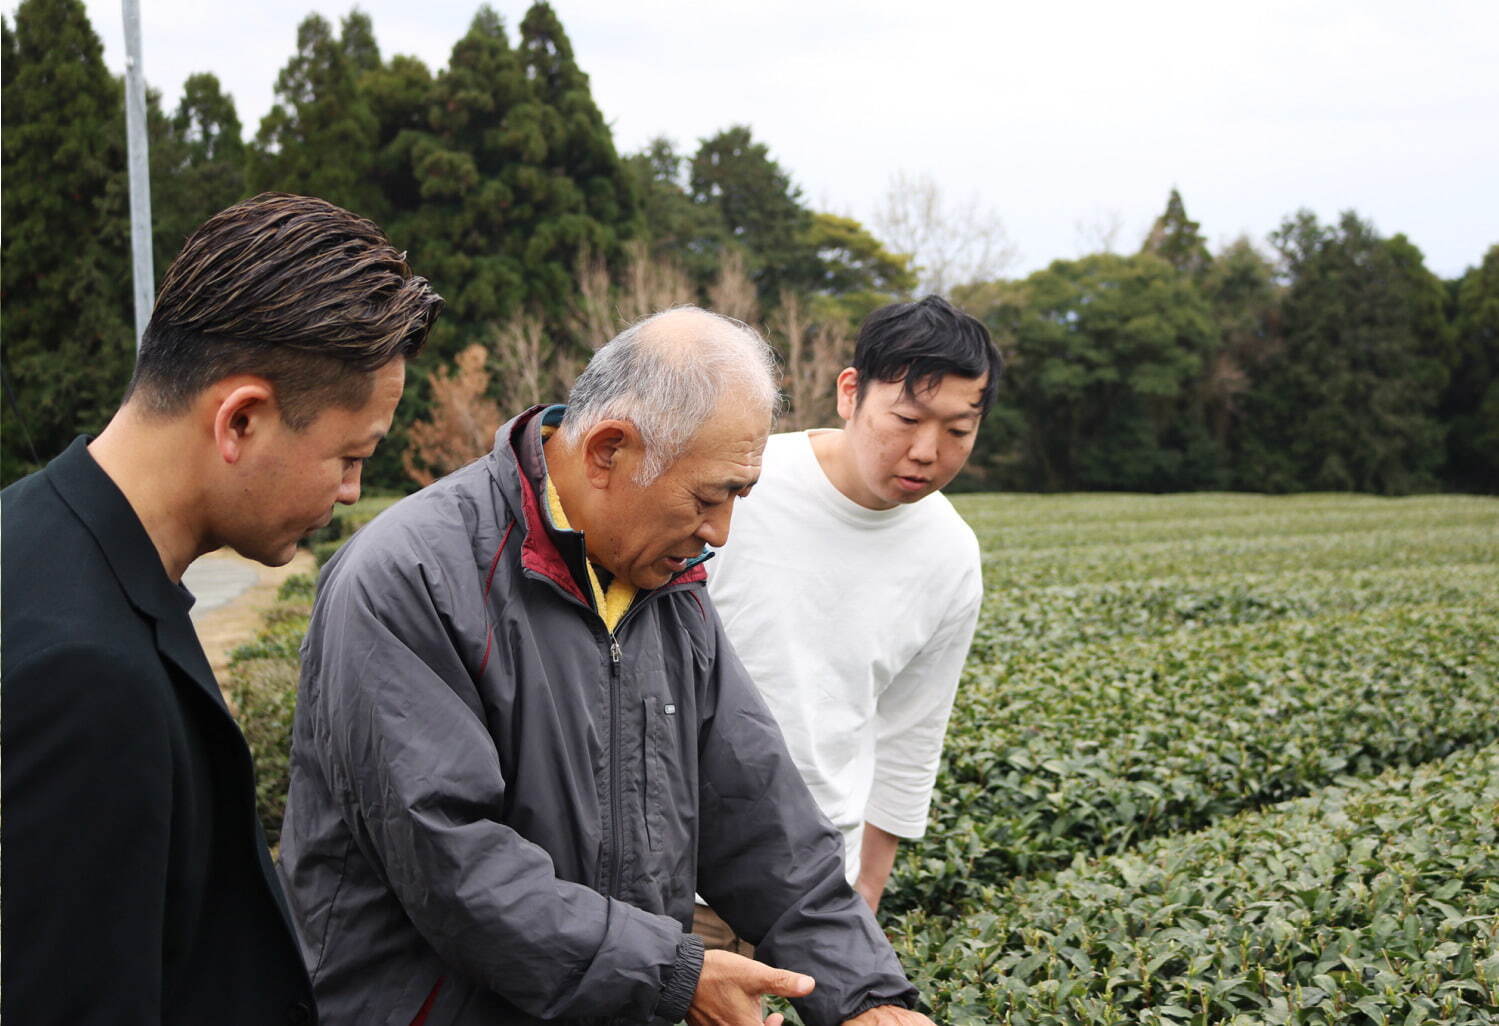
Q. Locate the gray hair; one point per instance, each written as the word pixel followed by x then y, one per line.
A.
pixel 669 390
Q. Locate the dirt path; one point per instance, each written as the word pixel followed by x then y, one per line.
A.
pixel 221 630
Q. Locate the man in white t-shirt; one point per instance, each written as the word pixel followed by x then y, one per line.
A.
pixel 851 586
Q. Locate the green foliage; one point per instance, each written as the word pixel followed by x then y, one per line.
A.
pixel 321 137
pixel 1150 665
pixel 516 174
pixel 1177 240
pixel 67 334
pixel 262 691
pixel 1107 353
pixel 1240 287
pixel 261 684
pixel 689 233
pixel 1170 369
pixel 760 207
pixel 1471 404
pixel 297 588
pixel 855 272
pixel 1373 901
pixel 1348 403
pixel 197 165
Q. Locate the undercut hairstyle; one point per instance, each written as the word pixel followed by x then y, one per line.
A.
pixel 920 343
pixel 668 387
pixel 289 288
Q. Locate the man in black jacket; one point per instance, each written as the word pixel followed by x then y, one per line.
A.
pixel 137 884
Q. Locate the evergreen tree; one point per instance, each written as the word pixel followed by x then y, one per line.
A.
pixel 321 138
pixel 473 169
pixel 586 200
pixel 676 227
pixel 760 207
pixel 1176 239
pixel 1240 287
pixel 1108 351
pixel 400 95
pixel 66 333
pixel 1348 402
pixel 197 164
pixel 855 272
pixel 1470 407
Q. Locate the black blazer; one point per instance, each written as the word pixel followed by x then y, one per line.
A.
pixel 137 885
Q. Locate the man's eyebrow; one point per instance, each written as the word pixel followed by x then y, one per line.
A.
pixel 373 438
pixel 735 486
pixel 977 408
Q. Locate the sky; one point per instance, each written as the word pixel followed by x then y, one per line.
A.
pixel 1062 119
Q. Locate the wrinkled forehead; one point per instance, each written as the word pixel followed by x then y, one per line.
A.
pixel 729 444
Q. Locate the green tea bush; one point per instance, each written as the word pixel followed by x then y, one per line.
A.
pixel 263 693
pixel 1091 748
pixel 261 683
pixel 1148 664
pixel 1373 901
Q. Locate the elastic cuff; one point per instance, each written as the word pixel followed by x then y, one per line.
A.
pixel 681 979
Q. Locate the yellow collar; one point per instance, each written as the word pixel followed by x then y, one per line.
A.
pixel 612 604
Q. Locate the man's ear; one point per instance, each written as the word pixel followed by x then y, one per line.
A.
pixel 848 392
pixel 610 448
pixel 240 407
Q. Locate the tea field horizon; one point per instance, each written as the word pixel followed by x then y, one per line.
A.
pixel 1218 758
pixel 1215 758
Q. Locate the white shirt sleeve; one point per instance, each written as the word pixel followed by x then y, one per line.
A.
pixel 911 720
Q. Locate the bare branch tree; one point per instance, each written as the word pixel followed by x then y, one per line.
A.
pixel 520 345
pixel 815 353
pixel 650 284
pixel 950 244
pixel 462 422
pixel 592 319
pixel 1098 232
pixel 733 293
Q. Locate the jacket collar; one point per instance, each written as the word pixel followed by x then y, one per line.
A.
pixel 559 556
pixel 98 502
pixel 104 511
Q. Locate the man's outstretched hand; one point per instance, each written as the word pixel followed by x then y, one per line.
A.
pixel 731 986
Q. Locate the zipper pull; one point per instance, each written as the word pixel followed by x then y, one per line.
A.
pixel 614 649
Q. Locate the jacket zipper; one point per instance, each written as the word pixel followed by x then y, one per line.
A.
pixel 615 657
pixel 614 766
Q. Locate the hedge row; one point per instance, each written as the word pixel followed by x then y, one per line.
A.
pixel 1031 541
pixel 1373 901
pixel 261 684
pixel 1088 749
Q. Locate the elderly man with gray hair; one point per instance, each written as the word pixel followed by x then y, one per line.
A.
pixel 522 737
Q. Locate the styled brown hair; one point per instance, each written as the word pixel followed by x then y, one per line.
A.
pixel 290 288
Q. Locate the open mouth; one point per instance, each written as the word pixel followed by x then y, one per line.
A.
pixel 679 563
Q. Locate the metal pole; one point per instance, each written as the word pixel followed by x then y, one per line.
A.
pixel 140 170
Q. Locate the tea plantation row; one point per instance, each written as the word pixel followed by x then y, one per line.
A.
pixel 1087 748
pixel 1150 666
pixel 1372 901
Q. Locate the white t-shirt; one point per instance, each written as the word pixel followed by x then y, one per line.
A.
pixel 854 624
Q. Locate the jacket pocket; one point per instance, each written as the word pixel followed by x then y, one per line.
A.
pixel 660 758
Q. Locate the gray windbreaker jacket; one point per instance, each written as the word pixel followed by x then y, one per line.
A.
pixel 499 811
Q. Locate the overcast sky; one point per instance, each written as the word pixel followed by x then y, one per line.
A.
pixel 1060 117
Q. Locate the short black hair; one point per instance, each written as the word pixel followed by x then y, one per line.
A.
pixel 920 343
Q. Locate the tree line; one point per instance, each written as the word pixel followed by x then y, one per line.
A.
pixel 1333 361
